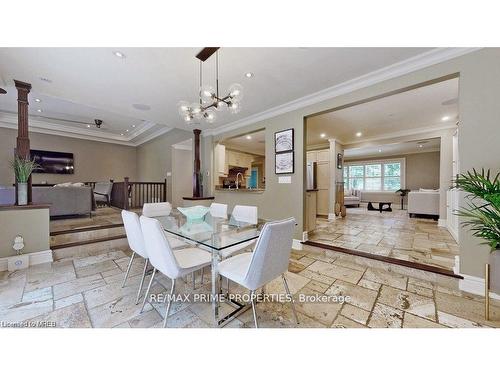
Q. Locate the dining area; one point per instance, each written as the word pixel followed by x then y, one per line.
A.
pixel 237 249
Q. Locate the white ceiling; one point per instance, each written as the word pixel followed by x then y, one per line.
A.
pixel 383 150
pixel 407 111
pixel 88 83
pixel 255 145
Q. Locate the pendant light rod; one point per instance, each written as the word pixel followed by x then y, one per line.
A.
pixel 206 52
pixel 217 74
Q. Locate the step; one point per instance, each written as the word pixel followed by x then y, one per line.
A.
pixel 65 238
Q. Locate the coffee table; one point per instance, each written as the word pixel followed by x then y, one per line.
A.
pixel 382 206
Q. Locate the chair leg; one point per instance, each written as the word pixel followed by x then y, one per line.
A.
pixel 128 269
pixel 194 280
pixel 168 303
pixel 252 296
pixel 227 285
pixel 147 291
pixel 291 297
pixel 142 280
pixel 202 273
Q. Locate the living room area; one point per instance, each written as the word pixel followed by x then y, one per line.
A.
pixel 384 169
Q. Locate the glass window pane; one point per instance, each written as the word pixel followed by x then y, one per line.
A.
pixel 356 171
pixel 392 169
pixel 346 184
pixel 356 183
pixel 392 183
pixel 373 184
pixel 373 170
pixel 345 172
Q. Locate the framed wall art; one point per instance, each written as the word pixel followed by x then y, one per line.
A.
pixel 284 163
pixel 283 141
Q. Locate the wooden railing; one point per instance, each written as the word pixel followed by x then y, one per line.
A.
pixel 130 194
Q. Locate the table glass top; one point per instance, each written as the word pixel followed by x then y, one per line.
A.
pixel 216 233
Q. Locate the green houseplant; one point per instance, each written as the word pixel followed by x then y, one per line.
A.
pixel 482 213
pixel 23 167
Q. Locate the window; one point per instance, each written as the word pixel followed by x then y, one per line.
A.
pixel 384 175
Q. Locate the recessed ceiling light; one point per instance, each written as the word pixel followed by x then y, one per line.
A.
pixel 45 80
pixel 126 130
pixel 133 126
pixel 39 110
pixel 249 75
pixel 322 135
pixel 379 150
pixel 37 100
pixel 359 134
pixel 88 126
pixel 248 137
pixel 420 146
pixel 119 54
pixel 445 118
pixel 121 133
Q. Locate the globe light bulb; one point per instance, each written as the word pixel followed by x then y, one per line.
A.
pixel 207 93
pixel 235 107
pixel 210 116
pixel 196 110
pixel 183 107
pixel 236 92
pixel 220 106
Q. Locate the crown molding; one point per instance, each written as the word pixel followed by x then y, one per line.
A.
pixel 432 57
pixel 157 133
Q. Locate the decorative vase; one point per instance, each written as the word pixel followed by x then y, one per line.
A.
pixel 22 193
pixel 494 262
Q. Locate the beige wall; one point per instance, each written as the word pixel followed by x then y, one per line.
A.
pixel 182 176
pixel 479 114
pixel 154 158
pixel 31 224
pixel 422 169
pixel 94 161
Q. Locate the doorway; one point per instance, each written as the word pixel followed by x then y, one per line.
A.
pixel 182 171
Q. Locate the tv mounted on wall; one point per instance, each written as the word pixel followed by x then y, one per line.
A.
pixel 53 162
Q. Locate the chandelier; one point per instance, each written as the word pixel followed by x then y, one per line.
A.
pixel 210 101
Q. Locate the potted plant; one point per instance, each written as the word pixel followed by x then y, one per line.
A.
pixel 23 167
pixel 403 193
pixel 482 214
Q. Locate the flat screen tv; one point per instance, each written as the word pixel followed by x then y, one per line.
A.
pixel 53 162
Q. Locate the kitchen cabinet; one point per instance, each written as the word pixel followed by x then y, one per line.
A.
pixel 221 165
pixel 322 158
pixel 311 203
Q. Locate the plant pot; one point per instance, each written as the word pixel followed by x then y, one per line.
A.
pixel 494 262
pixel 22 193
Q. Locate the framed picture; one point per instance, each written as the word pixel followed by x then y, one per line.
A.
pixel 339 161
pixel 283 141
pixel 284 163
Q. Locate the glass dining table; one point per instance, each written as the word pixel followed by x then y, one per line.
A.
pixel 214 235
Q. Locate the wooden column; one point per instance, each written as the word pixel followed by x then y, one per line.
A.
pixel 197 163
pixel 125 193
pixel 23 140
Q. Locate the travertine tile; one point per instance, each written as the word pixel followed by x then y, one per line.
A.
pixel 359 296
pixel 317 286
pixel 72 316
pixel 77 285
pixel 409 302
pixel 343 322
pixel 420 290
pixel 413 321
pixel 316 276
pixel 336 272
pixel 145 320
pixel 66 301
pixel 385 277
pixel 324 313
pixel 92 269
pixel 369 284
pixel 384 316
pixel 355 313
pixel 456 322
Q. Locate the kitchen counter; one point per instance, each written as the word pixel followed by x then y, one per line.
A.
pixel 240 190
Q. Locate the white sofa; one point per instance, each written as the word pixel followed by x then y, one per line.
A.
pixel 352 197
pixel 423 202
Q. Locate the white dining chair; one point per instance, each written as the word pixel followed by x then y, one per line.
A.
pixel 248 214
pixel 136 243
pixel 173 264
pixel 163 209
pixel 218 210
pixel 268 261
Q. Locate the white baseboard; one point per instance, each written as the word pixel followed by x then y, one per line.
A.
pixel 475 285
pixel 305 236
pixel 39 257
pixel 332 216
pixel 442 223
pixel 297 245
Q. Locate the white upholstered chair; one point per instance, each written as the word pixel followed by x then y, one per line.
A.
pixel 268 261
pixel 218 210
pixel 136 244
pixel 163 209
pixel 173 264
pixel 248 214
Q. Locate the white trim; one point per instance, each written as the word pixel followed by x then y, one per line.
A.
pixel 474 285
pixel 153 136
pixel 305 236
pixel 332 216
pixel 38 257
pixel 424 60
pixel 297 245
pixel 442 223
pixel 381 161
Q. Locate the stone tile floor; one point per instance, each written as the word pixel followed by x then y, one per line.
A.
pixel 391 234
pixel 87 292
pixel 101 216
